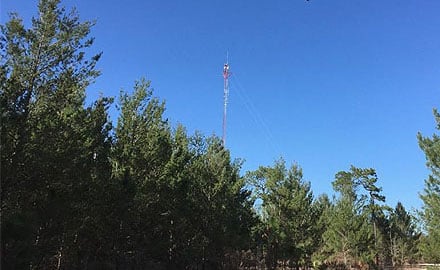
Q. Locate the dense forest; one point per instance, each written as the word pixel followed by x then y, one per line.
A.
pixel 81 192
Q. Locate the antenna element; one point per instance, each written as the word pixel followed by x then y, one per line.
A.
pixel 226 75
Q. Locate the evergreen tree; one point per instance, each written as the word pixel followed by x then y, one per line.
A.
pixel 142 147
pixel 288 213
pixel 184 203
pixel 323 207
pixel 222 217
pixel 430 245
pixel 403 236
pixel 351 236
pixel 53 150
pixel 77 193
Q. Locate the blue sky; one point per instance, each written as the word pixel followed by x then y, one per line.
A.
pixel 326 84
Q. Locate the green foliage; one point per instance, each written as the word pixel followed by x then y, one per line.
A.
pixel 52 148
pixel 351 235
pixel 403 236
pixel 288 213
pixel 78 193
pixel 431 195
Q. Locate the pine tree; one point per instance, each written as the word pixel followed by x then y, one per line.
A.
pixel 141 150
pixel 222 217
pixel 288 213
pixel 351 236
pixel 430 245
pixel 53 149
pixel 403 236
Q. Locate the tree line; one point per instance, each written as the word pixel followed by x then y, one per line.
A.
pixel 81 192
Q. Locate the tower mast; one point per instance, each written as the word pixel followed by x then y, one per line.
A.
pixel 226 75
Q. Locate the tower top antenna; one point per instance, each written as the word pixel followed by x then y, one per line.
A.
pixel 226 75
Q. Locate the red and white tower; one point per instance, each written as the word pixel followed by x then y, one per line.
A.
pixel 226 75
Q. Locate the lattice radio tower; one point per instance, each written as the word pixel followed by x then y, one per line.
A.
pixel 226 75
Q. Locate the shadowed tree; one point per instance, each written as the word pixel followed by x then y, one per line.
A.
pixel 53 150
pixel 142 147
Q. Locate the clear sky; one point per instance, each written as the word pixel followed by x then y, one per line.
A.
pixel 322 83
